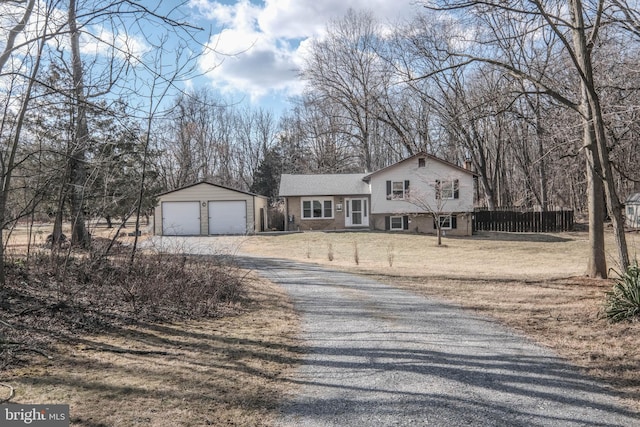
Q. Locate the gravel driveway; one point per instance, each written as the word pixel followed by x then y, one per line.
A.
pixel 380 356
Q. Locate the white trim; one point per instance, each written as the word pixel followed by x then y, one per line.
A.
pixel 322 207
pixel 393 196
pixel 364 212
pixel 443 218
pixel 391 227
pixel 450 184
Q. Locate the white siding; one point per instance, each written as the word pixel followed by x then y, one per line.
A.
pixel 422 185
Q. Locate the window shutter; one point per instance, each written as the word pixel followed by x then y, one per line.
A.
pixel 405 221
pixel 387 223
pixel 406 186
pixel 456 192
pixel 454 221
pixel 435 226
pixel 437 188
pixel 388 190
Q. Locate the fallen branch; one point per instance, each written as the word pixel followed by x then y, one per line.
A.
pixel 8 325
pixel 34 350
pixel 130 351
pixel 12 392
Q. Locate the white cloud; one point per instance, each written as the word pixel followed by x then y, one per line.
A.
pixel 259 47
pixel 101 41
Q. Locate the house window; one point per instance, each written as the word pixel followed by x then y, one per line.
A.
pixel 314 208
pixel 630 210
pixel 447 189
pixel 447 222
pixel 396 223
pixel 422 162
pixel 397 190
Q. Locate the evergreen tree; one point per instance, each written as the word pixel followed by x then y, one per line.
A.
pixel 266 180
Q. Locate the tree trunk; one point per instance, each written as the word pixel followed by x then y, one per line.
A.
pixel 77 161
pixel 597 264
pixel 592 112
pixel 542 166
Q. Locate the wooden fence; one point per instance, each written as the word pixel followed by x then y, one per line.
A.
pixel 523 222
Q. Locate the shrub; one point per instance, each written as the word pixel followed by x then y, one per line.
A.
pixel 623 301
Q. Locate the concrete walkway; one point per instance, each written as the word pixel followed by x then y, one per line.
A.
pixel 380 356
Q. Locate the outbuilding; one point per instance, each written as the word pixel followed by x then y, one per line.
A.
pixel 632 211
pixel 203 209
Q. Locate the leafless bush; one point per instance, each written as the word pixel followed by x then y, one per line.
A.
pixel 180 285
pixel 58 296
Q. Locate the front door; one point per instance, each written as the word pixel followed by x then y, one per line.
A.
pixel 356 213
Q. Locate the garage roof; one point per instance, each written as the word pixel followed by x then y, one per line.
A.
pixel 213 185
pixel 323 185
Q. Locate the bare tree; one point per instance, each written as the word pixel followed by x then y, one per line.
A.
pixel 79 143
pixel 538 20
pixel 344 70
pixel 8 157
pixel 437 201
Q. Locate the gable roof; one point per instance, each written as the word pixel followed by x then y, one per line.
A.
pixel 633 199
pixel 323 185
pixel 425 155
pixel 213 185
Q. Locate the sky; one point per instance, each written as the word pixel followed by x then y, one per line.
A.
pixel 256 48
pixel 260 45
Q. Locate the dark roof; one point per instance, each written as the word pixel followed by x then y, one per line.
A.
pixel 213 185
pixel 421 154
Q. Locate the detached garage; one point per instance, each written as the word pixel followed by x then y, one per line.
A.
pixel 209 209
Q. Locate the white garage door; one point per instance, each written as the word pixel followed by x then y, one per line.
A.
pixel 228 217
pixel 180 218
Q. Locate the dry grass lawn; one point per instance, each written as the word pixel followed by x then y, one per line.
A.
pixel 533 283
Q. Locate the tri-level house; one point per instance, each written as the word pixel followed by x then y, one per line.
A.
pixel 410 195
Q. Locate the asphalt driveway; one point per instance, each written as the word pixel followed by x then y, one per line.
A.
pixel 379 356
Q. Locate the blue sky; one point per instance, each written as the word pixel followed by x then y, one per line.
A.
pixel 257 47
pixel 260 45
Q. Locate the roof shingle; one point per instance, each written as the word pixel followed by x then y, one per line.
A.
pixel 323 185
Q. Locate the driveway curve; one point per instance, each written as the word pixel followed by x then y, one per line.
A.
pixel 380 356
